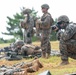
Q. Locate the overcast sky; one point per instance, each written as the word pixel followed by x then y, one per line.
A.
pixel 57 8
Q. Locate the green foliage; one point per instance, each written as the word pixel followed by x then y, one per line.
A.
pixel 6 41
pixel 1 40
pixel 13 25
pixel 34 38
pixel 55 21
pixel 53 34
pixel 34 13
pixel 11 40
pixel 14 29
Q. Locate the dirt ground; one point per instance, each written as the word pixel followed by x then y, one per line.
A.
pixel 51 64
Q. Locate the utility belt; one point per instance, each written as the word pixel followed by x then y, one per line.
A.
pixel 41 27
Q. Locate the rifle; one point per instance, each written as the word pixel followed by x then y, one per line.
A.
pixel 57 26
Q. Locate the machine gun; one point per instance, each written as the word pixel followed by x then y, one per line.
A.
pixel 13 56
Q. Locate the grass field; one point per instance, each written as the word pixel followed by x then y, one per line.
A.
pixel 51 64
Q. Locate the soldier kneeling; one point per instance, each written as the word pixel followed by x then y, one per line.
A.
pixel 67 39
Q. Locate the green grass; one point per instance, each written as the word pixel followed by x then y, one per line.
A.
pixel 51 64
pixel 4 45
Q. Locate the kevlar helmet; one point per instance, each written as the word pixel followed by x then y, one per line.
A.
pixel 63 18
pixel 27 11
pixel 18 43
pixel 45 6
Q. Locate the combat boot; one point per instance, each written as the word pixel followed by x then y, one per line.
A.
pixel 43 55
pixel 47 55
pixel 64 62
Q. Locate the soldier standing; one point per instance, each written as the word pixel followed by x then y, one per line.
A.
pixel 45 24
pixel 28 25
pixel 67 39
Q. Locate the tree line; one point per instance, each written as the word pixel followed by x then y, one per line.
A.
pixel 14 29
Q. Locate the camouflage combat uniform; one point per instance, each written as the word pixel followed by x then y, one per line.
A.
pixel 67 39
pixel 26 49
pixel 17 46
pixel 46 22
pixel 28 28
pixel 68 42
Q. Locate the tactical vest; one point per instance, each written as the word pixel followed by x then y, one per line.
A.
pixel 74 36
pixel 49 24
pixel 74 30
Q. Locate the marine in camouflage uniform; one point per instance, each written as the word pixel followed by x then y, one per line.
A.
pixel 26 49
pixel 17 46
pixel 67 39
pixel 33 50
pixel 45 25
pixel 28 25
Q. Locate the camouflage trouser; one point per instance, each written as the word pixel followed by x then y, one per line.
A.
pixel 27 37
pixel 68 49
pixel 45 41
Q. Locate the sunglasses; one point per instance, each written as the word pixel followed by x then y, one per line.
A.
pixel 43 8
